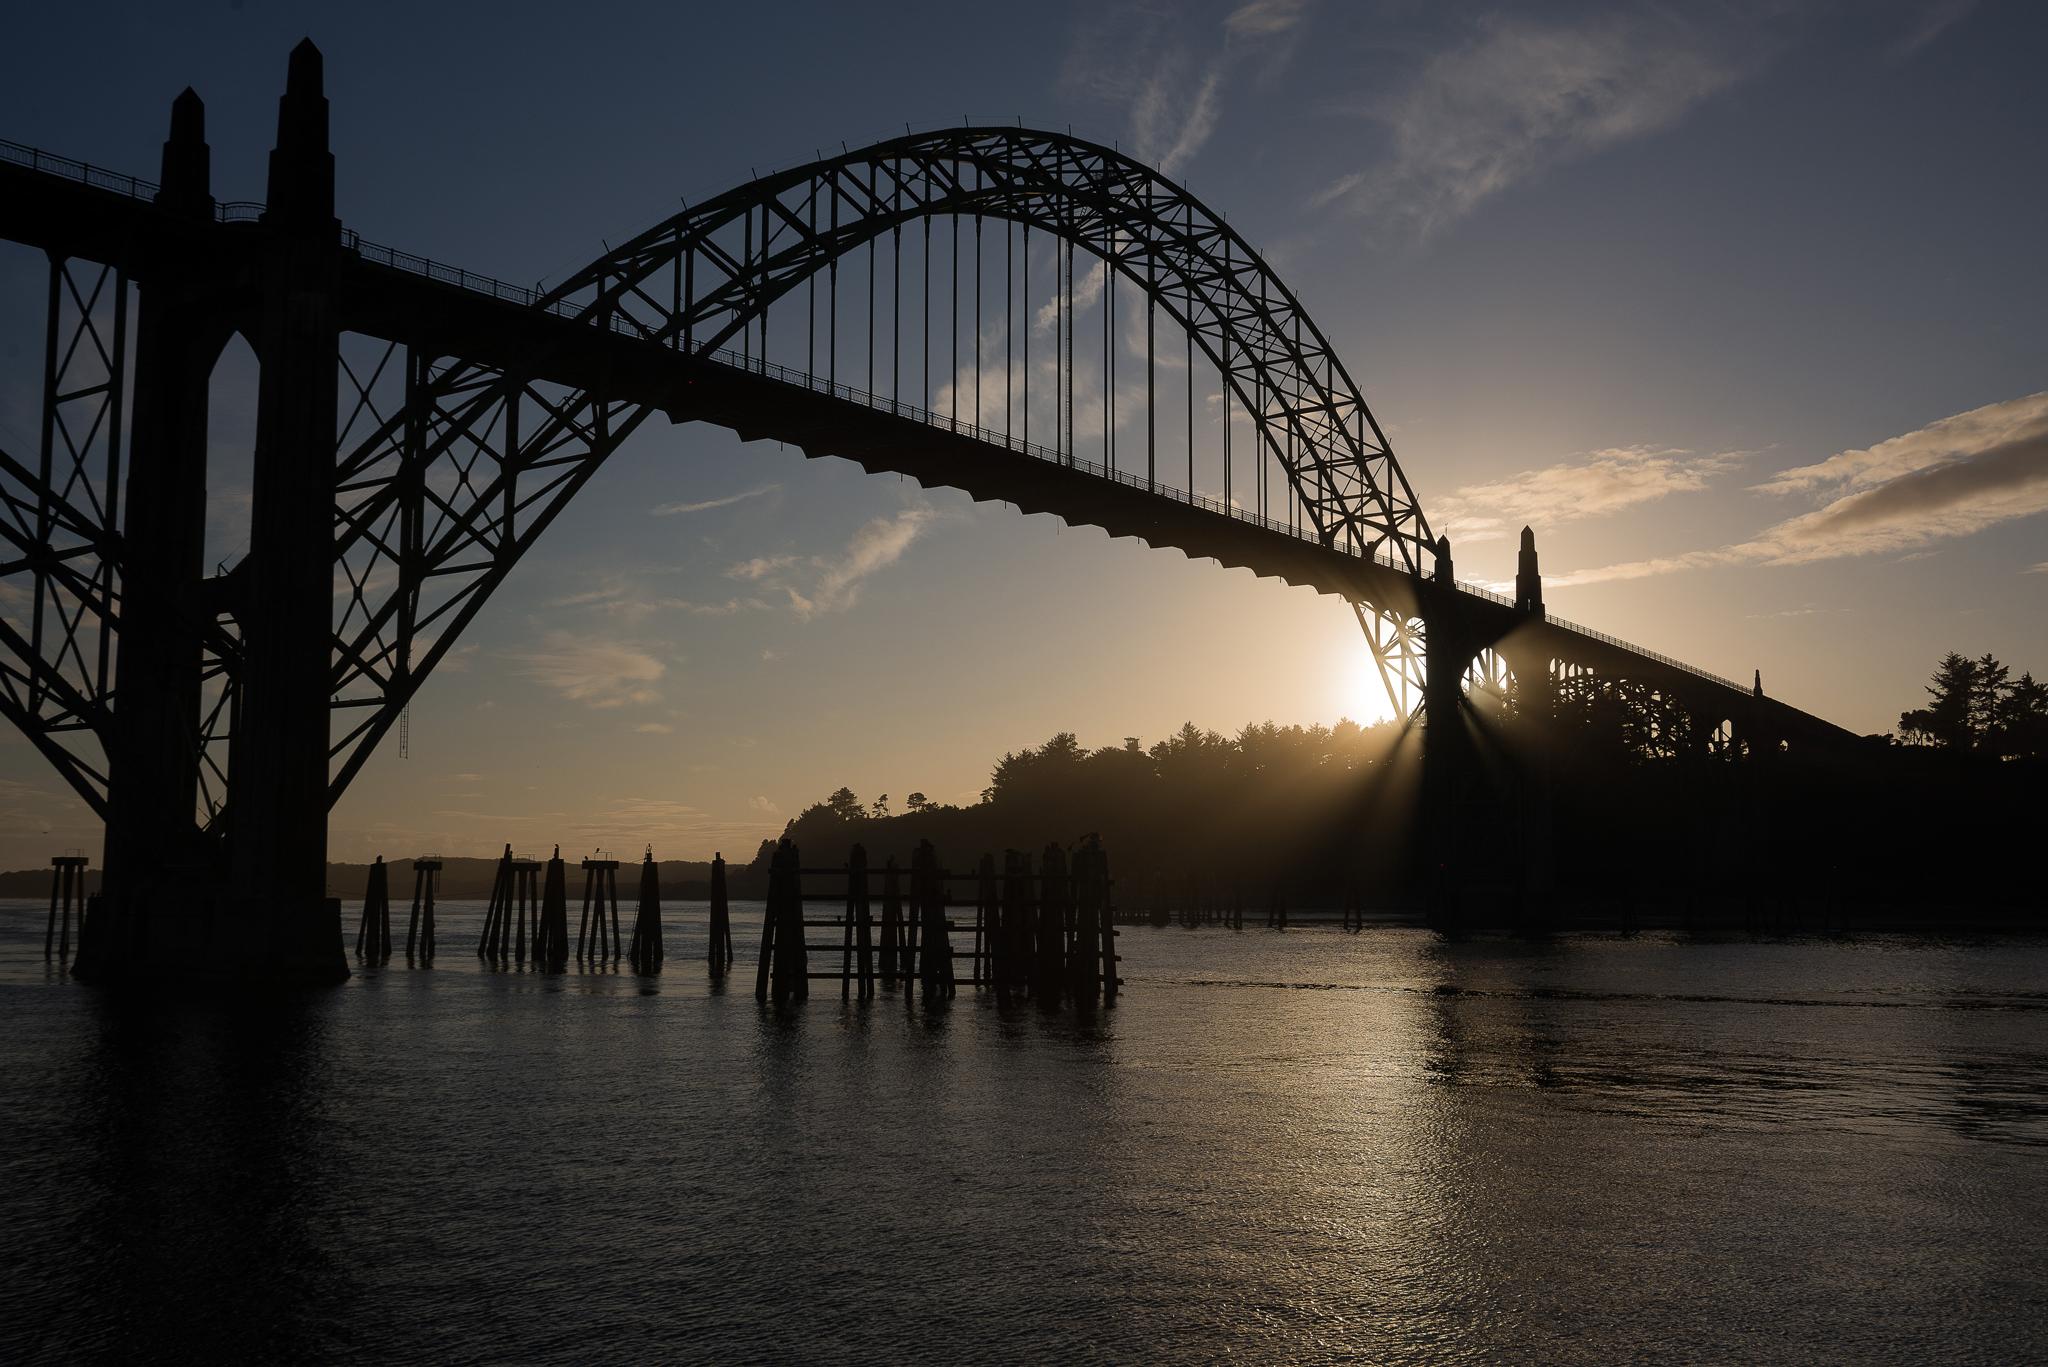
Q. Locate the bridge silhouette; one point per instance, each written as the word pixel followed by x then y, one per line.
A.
pixel 419 427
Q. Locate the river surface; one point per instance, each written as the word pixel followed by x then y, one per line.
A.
pixel 1300 1146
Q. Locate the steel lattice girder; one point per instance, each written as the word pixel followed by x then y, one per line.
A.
pixel 59 582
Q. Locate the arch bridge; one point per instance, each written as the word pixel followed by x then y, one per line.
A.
pixel 1022 315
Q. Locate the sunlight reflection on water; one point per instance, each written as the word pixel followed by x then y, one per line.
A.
pixel 1295 1146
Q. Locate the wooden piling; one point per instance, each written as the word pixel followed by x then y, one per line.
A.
pixel 419 931
pixel 67 896
pixel 785 960
pixel 894 963
pixel 1094 917
pixel 1051 970
pixel 598 939
pixel 551 936
pixel 373 934
pixel 858 927
pixel 988 919
pixel 720 951
pixel 490 944
pixel 928 894
pixel 646 952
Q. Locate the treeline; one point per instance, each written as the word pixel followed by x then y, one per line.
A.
pixel 1977 707
pixel 1316 801
pixel 1938 824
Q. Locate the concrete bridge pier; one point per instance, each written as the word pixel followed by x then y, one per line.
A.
pixel 1448 754
pixel 156 857
pixel 281 922
pixel 1534 721
pixel 249 902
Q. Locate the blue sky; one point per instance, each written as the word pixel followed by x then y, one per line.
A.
pixel 1739 304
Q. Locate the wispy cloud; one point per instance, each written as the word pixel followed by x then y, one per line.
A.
pixel 1521 93
pixel 820 584
pixel 1930 23
pixel 653 728
pixel 1265 18
pixel 627 599
pixel 674 509
pixel 593 670
pixel 2041 568
pixel 1168 73
pixel 1603 482
pixel 1950 479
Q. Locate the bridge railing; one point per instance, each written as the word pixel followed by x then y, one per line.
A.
pixel 243 211
pixel 135 187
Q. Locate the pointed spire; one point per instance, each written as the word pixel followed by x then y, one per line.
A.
pixel 1758 690
pixel 305 70
pixel 186 181
pixel 1528 580
pixel 301 166
pixel 1443 560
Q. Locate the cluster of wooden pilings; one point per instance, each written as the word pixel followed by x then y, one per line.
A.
pixel 529 905
pixel 1045 934
pixel 530 901
pixel 373 931
pixel 67 899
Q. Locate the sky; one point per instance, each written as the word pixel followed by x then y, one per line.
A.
pixel 1739 305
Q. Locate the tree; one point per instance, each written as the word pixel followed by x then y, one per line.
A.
pixel 844 805
pixel 881 808
pixel 1946 721
pixel 2023 719
pixel 916 803
pixel 1987 693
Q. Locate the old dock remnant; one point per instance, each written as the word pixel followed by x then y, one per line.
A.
pixel 419 932
pixel 1046 936
pixel 551 938
pixel 597 942
pixel 645 952
pixel 720 950
pixel 67 895
pixel 373 933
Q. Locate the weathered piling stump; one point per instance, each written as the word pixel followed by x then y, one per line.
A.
pixel 1093 918
pixel 1008 968
pixel 988 920
pixel 596 940
pixel 928 895
pixel 1050 969
pixel 551 935
pixel 784 973
pixel 720 951
pixel 513 909
pixel 419 931
pixel 858 937
pixel 373 935
pixel 895 955
pixel 67 896
pixel 491 942
pixel 645 952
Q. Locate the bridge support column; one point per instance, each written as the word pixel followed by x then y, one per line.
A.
pixel 281 923
pixel 1533 732
pixel 1447 750
pixel 158 865
pixel 1535 719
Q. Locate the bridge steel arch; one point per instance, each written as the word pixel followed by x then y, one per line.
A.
pixel 699 281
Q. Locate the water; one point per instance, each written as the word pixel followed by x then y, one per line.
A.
pixel 1277 1147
